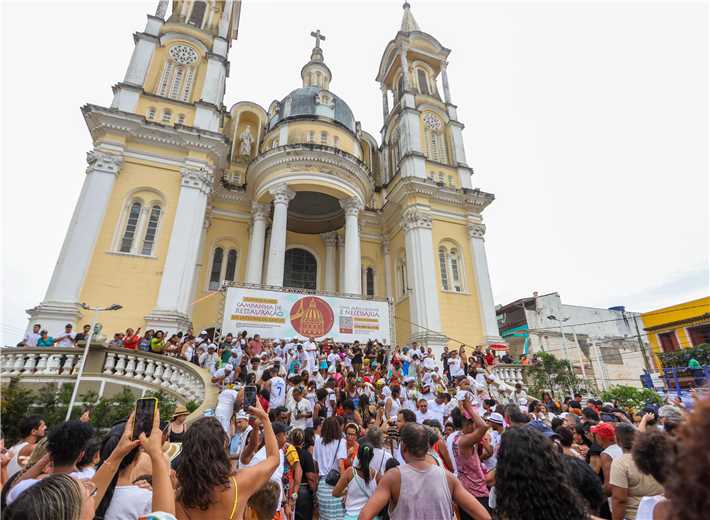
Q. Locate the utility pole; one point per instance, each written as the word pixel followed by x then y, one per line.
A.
pixel 642 347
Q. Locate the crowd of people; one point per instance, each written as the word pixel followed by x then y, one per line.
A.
pixel 364 431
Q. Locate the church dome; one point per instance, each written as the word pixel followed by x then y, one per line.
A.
pixel 314 102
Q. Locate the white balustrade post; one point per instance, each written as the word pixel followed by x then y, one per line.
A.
pixel 18 364
pixel 158 374
pixel 149 370
pixel 121 365
pixel 53 363
pixel 167 374
pixel 277 249
pixel 29 366
pixel 140 368
pixel 68 364
pixel 109 363
pixel 130 366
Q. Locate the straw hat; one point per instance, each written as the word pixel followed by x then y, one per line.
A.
pixel 172 450
pixel 180 410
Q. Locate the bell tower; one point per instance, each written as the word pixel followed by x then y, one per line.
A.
pixel 421 133
pixel 179 66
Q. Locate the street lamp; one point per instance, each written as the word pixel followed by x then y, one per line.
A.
pixel 564 343
pixel 96 310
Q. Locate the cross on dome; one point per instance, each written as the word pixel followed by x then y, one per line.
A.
pixel 318 36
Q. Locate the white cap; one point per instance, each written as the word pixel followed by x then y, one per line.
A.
pixel 203 332
pixel 229 367
pixel 242 415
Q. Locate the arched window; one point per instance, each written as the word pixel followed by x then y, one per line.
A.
pixel 178 75
pixel 324 138
pixel 216 272
pixel 336 141
pixel 450 266
pixel 423 82
pixel 151 230
pixel 231 266
pixel 369 282
pixel 443 268
pixel 300 269
pixel 167 115
pixel 435 140
pixel 181 119
pixel 129 231
pixel 198 13
pixel 311 136
pixel 151 113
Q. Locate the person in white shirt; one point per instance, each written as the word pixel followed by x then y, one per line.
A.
pixel 455 368
pixel 277 389
pixel 301 410
pixel 439 409
pixel 423 412
pixel 225 408
pixel 210 359
pixel 311 351
pixel 66 339
pixel 30 339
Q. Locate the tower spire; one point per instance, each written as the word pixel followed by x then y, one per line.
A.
pixel 409 24
pixel 316 73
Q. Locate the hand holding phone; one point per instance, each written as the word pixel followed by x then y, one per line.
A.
pixel 249 397
pixel 146 409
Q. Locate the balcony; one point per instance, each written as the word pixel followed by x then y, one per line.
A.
pixel 108 370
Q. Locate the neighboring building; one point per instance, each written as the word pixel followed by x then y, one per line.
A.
pixel 679 326
pixel 603 341
pixel 183 195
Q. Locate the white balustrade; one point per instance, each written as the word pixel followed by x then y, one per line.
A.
pixel 140 368
pixel 167 374
pixel 120 365
pixel 41 364
pixel 29 366
pixel 149 370
pixel 109 363
pixel 19 363
pixel 158 374
pixel 130 366
pixel 68 366
pixel 53 364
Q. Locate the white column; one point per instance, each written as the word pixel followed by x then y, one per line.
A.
pixel 277 250
pixel 424 290
pixel 140 59
pixel 353 262
pixel 60 302
pixel 255 260
pixel 483 283
pixel 171 312
pixel 331 240
pixel 388 265
pixel 445 82
pixel 341 263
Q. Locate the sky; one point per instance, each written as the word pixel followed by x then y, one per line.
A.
pixel 588 121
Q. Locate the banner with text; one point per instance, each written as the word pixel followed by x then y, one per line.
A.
pixel 276 314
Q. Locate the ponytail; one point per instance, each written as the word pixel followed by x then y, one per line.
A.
pixel 364 457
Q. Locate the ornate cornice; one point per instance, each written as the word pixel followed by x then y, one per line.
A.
pixel 101 121
pixel 308 158
pixel 103 162
pixel 474 201
pixel 416 218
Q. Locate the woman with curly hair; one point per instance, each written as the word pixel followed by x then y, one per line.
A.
pixel 654 453
pixel 687 486
pixel 207 487
pixel 531 481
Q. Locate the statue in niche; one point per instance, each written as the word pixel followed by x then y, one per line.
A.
pixel 245 142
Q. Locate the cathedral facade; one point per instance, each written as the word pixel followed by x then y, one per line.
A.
pixel 183 195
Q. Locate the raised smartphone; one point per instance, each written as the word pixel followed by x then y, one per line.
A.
pixel 146 408
pixel 249 397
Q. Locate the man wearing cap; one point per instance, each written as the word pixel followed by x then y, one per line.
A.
pixel 605 436
pixel 495 422
pixel 210 359
pixel 237 442
pixel 224 376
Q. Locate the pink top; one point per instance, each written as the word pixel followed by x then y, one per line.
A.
pixel 470 471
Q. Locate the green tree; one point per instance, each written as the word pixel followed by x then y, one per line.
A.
pixel 14 405
pixel 551 374
pixel 111 410
pixel 631 398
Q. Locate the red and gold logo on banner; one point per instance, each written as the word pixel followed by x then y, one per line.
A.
pixel 311 316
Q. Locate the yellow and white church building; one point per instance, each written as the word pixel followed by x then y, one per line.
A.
pixel 183 194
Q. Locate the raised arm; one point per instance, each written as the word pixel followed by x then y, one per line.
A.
pixel 251 479
pixel 163 492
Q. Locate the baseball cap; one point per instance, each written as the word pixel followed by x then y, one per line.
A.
pixel 229 367
pixel 495 417
pixel 539 426
pixel 603 430
pixel 242 415
pixel 279 427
